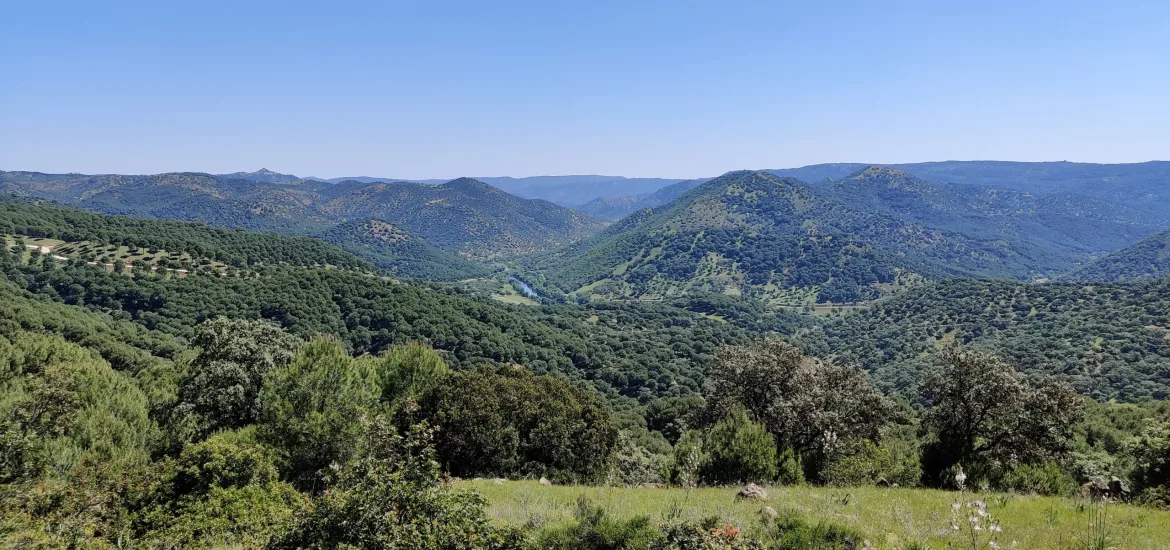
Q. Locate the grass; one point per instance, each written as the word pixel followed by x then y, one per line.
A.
pixel 889 517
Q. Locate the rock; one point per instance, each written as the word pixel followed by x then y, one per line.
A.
pixel 498 481
pixel 881 482
pixel 651 486
pixel 544 481
pixel 1118 489
pixel 769 512
pixel 752 491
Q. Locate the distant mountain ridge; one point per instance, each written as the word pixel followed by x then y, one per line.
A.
pixel 615 208
pixel 464 216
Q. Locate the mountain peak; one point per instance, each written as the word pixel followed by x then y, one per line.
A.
pixel 470 184
pixel 891 177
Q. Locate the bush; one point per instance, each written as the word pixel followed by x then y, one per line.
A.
pixel 634 464
pixel 595 530
pixel 864 463
pixel 790 471
pixel 709 534
pixel 688 459
pixel 222 491
pixel 1041 479
pixel 390 497
pixel 790 531
pixel 739 451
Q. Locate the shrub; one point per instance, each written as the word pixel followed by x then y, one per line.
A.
pixel 789 469
pixel 790 531
pixel 634 464
pixel 708 534
pixel 864 463
pixel 594 530
pixel 389 496
pixel 688 459
pixel 739 451
pixel 1040 479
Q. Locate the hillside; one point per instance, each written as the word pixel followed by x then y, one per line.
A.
pixel 463 216
pixel 1053 232
pixel 1144 187
pixel 1147 259
pixel 401 253
pixel 1110 341
pixel 615 208
pixel 38 218
pixel 756 234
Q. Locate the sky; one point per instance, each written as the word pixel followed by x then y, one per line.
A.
pixel 674 89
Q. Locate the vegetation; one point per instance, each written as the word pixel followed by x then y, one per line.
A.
pixel 464 216
pixel 1147 259
pixel 1108 341
pixel 292 402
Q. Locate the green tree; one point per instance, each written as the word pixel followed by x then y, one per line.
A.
pixel 312 409
pixel 222 386
pixel 409 371
pixel 987 417
pixel 1151 451
pixel 509 421
pixel 807 404
pixel 739 451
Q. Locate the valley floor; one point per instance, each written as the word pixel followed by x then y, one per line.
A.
pixel 889 517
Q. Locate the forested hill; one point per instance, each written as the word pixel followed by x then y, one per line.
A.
pixel 1147 259
pixel 1110 341
pixel 1051 232
pixel 38 218
pixel 780 239
pixel 403 254
pixel 463 216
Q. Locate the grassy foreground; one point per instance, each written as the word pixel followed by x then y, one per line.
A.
pixel 890 518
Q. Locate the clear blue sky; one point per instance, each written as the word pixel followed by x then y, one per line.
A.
pixel 673 89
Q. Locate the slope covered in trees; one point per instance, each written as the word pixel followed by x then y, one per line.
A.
pixel 756 234
pixel 33 218
pixel 1147 259
pixel 1050 232
pixel 1109 341
pixel 401 253
pixel 464 215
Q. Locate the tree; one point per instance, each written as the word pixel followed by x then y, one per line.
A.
pixel 409 371
pixel 222 386
pixel 312 409
pixel 1151 450
pixel 739 451
pixel 807 404
pixel 987 417
pixel 509 421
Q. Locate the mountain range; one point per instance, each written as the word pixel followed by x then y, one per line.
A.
pixel 755 233
pixel 465 217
